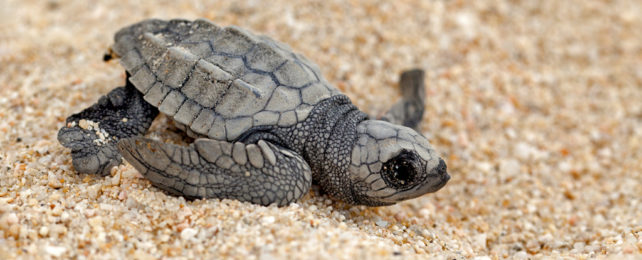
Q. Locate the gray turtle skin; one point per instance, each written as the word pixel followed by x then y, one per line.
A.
pixel 266 123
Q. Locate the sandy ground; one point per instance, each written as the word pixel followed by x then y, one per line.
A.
pixel 536 107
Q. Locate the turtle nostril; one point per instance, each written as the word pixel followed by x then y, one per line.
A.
pixel 441 168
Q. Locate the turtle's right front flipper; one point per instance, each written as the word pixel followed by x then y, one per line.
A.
pixel 410 109
pixel 93 133
pixel 262 173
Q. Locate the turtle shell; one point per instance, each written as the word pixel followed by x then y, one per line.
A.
pixel 217 81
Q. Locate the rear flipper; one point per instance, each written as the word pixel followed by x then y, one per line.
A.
pixel 410 109
pixel 93 133
pixel 261 173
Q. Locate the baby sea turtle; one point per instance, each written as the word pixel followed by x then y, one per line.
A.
pixel 267 124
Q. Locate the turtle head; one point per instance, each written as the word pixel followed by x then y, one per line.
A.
pixel 391 163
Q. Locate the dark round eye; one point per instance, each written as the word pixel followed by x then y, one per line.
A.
pixel 401 171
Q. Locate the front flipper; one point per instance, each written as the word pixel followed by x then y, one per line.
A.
pixel 410 109
pixel 93 133
pixel 261 173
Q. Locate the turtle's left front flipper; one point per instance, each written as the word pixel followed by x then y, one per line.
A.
pixel 93 133
pixel 410 109
pixel 262 173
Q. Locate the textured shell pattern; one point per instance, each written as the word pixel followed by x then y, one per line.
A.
pixel 219 81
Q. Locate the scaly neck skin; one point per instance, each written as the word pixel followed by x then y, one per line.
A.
pixel 325 140
pixel 331 136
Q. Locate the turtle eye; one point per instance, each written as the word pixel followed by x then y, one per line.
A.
pixel 401 171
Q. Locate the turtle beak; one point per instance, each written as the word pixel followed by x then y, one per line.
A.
pixel 441 170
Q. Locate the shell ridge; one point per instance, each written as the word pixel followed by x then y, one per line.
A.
pixel 189 75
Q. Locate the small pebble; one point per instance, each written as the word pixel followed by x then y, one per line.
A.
pixel 188 233
pixel 54 181
pixel 267 220
pixel 44 231
pixel 382 223
pixel 55 250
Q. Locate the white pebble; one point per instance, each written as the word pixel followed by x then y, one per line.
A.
pixel 520 255
pixel 579 246
pixel 44 231
pixel 509 168
pixel 11 219
pixel 523 151
pixel 94 191
pixel 54 181
pixel 55 250
pixel 115 181
pixel 480 240
pixel 188 233
pixel 381 223
pixel 267 220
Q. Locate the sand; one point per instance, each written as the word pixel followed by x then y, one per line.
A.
pixel 535 105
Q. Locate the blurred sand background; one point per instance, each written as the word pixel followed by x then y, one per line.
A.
pixel 535 105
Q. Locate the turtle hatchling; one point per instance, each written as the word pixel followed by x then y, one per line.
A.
pixel 265 123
